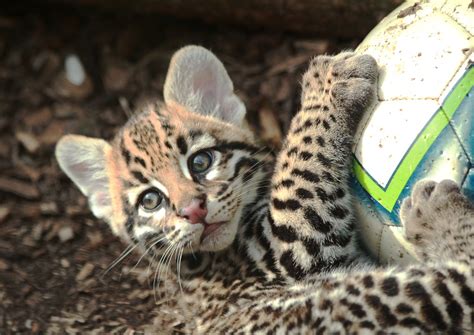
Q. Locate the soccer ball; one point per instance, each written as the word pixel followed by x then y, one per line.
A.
pixel 422 125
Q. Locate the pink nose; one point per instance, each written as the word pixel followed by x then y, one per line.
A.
pixel 196 211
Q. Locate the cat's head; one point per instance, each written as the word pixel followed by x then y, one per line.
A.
pixel 179 173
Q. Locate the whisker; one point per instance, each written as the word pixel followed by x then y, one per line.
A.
pixel 178 264
pixel 251 168
pixel 159 267
pixel 269 152
pixel 119 259
pixel 247 188
pixel 153 243
pixel 152 260
pixel 170 259
pixel 249 183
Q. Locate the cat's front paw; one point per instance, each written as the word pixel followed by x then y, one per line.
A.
pixel 355 79
pixel 346 81
pixel 432 210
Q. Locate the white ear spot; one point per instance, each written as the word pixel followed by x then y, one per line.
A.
pixel 198 80
pixel 84 161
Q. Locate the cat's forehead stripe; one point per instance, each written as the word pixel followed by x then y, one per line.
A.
pixel 182 145
pixel 144 143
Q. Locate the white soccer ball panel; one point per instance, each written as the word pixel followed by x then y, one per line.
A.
pixel 462 12
pixel 391 129
pixel 371 227
pixel 387 21
pixel 458 75
pixel 394 248
pixel 418 53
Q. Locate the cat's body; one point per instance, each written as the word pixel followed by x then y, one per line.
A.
pixel 263 244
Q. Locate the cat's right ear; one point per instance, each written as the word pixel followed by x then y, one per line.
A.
pixel 84 160
pixel 197 80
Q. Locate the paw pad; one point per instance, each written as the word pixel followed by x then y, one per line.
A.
pixel 429 209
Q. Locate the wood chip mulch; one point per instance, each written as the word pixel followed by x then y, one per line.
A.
pixel 53 253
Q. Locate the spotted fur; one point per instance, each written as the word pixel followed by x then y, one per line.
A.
pixel 276 251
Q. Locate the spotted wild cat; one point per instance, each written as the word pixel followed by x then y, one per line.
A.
pixel 260 243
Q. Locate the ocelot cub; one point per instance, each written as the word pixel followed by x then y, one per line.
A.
pixel 264 243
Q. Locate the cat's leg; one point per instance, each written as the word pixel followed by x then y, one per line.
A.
pixel 433 297
pixel 311 215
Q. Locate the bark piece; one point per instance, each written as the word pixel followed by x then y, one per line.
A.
pixel 4 212
pixel 271 132
pixel 20 188
pixel 28 141
pixel 85 272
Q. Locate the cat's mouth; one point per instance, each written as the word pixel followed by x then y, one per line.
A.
pixel 217 235
pixel 211 228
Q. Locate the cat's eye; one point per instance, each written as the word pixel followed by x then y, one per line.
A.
pixel 201 161
pixel 150 200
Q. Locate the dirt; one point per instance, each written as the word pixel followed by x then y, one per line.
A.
pixel 410 10
pixel 54 256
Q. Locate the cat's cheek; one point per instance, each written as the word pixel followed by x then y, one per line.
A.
pixel 217 212
pixel 149 222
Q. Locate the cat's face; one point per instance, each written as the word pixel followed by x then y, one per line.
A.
pixel 175 176
pixel 181 178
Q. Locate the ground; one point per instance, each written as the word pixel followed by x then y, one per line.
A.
pixel 53 253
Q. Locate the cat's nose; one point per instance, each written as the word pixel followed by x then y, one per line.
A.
pixel 195 212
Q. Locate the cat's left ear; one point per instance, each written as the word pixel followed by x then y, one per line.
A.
pixel 197 80
pixel 85 161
